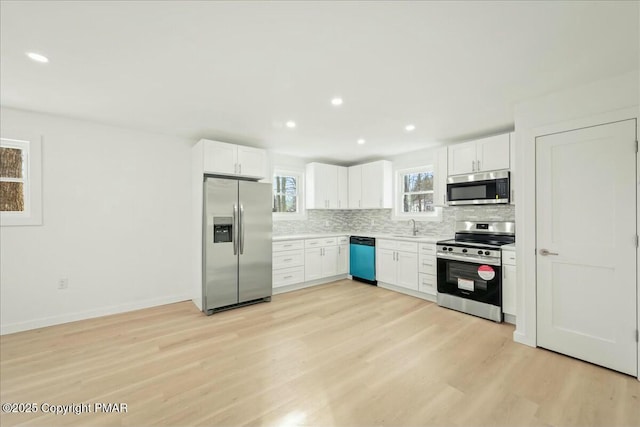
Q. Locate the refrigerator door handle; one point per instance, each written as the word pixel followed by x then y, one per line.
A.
pixel 235 226
pixel 241 230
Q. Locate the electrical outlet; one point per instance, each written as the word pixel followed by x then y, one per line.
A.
pixel 63 283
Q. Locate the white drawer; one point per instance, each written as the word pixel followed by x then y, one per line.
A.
pixel 318 243
pixel 427 284
pixel 343 240
pixel 427 264
pixel 288 276
pixel 385 244
pixel 509 257
pixel 288 259
pixel 427 249
pixel 287 245
pixel 406 246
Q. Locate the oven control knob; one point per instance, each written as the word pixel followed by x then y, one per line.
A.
pixel 487 252
pixel 464 251
pixel 479 252
pixel 450 249
pixel 444 248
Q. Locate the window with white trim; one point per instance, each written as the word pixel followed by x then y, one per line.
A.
pixel 288 197
pixel 414 194
pixel 20 182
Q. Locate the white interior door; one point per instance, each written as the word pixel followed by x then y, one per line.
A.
pixel 586 220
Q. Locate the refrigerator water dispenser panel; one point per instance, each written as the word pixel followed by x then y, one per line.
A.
pixel 222 229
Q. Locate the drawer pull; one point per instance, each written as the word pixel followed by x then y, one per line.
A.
pixel 287 277
pixel 430 265
pixel 313 243
pixel 286 246
pixel 287 259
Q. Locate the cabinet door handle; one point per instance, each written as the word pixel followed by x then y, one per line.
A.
pixel 478 165
pixel 473 165
pixel 239 168
pixel 546 252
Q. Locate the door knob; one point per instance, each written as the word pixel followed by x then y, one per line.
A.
pixel 545 252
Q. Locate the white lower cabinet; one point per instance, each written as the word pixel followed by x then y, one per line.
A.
pixel 397 263
pixel 509 282
pixel 427 268
pixel 288 263
pixel 343 259
pixel 321 258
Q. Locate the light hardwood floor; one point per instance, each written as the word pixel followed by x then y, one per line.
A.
pixel 342 354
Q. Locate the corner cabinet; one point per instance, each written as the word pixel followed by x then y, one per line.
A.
pixel 326 186
pixel 481 155
pixel 371 185
pixel 221 158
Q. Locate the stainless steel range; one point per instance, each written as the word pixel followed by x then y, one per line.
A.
pixel 470 268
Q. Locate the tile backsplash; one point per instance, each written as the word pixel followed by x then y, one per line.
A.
pixel 379 221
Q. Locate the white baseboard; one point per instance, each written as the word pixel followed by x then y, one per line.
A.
pixel 521 338
pixel 427 297
pixel 10 328
pixel 302 285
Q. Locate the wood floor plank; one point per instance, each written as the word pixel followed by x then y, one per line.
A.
pixel 341 354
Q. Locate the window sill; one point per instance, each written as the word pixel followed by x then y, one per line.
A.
pixel 8 220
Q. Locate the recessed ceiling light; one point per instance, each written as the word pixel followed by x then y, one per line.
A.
pixel 37 57
pixel 336 101
pixel 409 128
pixel 290 124
pixel 361 141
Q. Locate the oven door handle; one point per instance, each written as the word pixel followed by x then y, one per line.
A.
pixel 470 259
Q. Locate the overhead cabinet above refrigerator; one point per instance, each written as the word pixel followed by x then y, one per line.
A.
pixel 231 227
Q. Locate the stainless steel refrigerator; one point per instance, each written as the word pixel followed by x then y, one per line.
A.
pixel 237 243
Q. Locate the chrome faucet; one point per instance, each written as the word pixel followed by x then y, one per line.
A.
pixel 415 230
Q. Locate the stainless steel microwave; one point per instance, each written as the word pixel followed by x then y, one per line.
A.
pixel 479 188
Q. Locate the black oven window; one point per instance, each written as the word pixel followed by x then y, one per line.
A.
pixel 469 192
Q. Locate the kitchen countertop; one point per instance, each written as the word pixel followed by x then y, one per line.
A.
pixel 511 247
pixel 408 238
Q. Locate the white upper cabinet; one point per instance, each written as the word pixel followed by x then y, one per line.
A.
pixel 482 155
pixel 355 187
pixel 440 184
pixel 221 158
pixel 343 187
pixel 371 185
pixel 462 158
pixel 326 186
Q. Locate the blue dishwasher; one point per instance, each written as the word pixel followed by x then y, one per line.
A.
pixel 362 256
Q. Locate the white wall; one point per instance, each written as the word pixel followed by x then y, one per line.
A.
pixel 603 101
pixel 116 216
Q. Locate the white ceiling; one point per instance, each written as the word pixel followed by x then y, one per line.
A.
pixel 236 71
